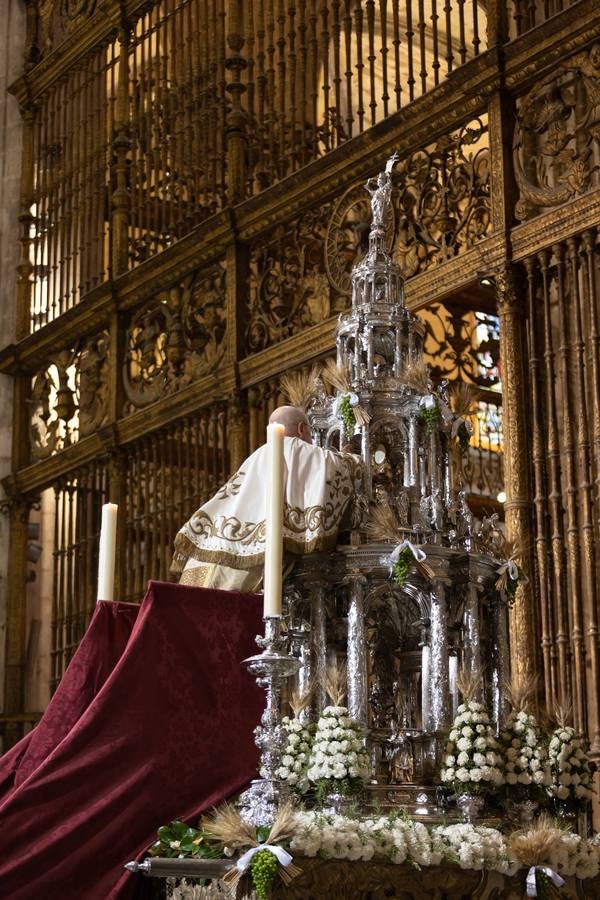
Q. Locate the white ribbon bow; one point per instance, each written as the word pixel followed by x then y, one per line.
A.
pixel 550 873
pixel 512 568
pixel 460 420
pixel 416 552
pixel 428 402
pixel 283 857
pixel 446 413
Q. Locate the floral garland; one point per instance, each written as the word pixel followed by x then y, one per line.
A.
pixel 526 765
pixel 338 760
pixel 472 762
pixel 571 779
pixel 398 839
pixel 294 761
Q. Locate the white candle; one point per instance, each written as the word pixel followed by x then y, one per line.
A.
pixel 274 521
pixel 106 554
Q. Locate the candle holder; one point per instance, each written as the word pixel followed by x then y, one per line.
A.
pixel 259 804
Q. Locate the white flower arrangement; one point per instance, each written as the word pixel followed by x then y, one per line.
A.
pixel 571 779
pixel 296 753
pixel 338 758
pixel 473 762
pixel 474 847
pixel 398 839
pixel 526 765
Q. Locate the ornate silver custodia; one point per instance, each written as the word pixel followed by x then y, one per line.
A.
pixel 272 667
pixel 403 641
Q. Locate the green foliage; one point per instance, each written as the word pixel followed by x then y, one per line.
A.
pixel 464 437
pixel 432 418
pixel 264 871
pixel 179 841
pixel 348 787
pixel 402 566
pixel 511 589
pixel 347 414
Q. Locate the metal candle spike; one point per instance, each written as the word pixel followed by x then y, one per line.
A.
pixel 259 804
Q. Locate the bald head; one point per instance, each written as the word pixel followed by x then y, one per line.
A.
pixel 294 420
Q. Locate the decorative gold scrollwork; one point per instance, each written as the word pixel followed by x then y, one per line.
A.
pixel 442 199
pixel 558 122
pixel 177 339
pixel 289 290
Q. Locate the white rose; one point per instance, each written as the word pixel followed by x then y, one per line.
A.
pixel 463 744
pixel 462 759
pixel 462 774
pixel 467 731
pixel 479 759
pixel 450 760
pixel 476 774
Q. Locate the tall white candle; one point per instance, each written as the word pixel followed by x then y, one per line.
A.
pixel 106 554
pixel 274 521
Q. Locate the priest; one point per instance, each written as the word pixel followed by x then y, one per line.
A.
pixel 223 544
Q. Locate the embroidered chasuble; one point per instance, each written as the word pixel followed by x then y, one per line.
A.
pixel 223 544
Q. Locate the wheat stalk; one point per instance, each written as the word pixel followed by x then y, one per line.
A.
pixel 461 397
pixel 336 683
pixel 468 683
pixel 383 524
pixel 338 377
pixel 226 825
pixel 301 387
pixel 415 375
pixel 521 691
pixel 562 715
pixel 299 699
pixel 533 846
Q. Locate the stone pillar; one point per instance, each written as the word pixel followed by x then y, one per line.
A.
pixel 358 686
pixel 13 14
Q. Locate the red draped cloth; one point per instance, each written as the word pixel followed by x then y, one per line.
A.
pixel 167 733
pixel 100 648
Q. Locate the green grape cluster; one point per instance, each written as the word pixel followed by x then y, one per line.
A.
pixel 431 416
pixel 542 883
pixel 264 871
pixel 464 437
pixel 347 414
pixel 401 567
pixel 511 590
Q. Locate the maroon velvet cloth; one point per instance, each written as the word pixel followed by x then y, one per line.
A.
pixel 167 735
pixel 100 648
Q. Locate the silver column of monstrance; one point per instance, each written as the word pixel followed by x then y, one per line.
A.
pixel 259 804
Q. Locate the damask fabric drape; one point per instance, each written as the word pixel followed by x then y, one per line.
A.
pixel 101 646
pixel 167 734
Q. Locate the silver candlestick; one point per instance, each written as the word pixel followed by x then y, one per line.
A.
pixel 259 804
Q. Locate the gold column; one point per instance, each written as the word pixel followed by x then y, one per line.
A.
pixel 121 199
pixel 236 117
pixel 522 624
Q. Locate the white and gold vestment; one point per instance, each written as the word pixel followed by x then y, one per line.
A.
pixel 222 545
